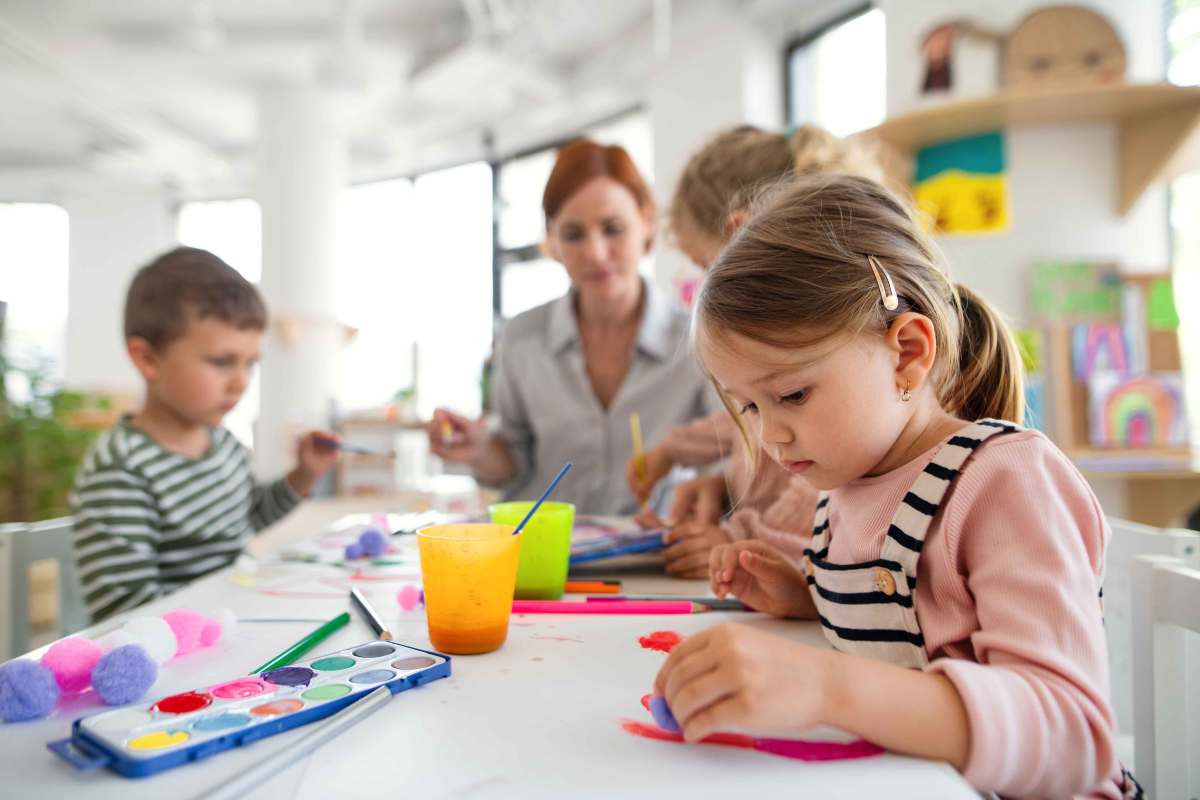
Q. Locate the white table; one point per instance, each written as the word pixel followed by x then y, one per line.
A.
pixel 538 718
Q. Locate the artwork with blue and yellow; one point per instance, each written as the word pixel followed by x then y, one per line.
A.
pixel 961 185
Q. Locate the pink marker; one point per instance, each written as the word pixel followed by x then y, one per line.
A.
pixel 615 607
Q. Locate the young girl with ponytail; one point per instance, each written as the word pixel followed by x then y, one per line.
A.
pixel 956 558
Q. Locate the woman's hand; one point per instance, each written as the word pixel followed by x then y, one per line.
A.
pixel 688 548
pixel 762 578
pixel 455 438
pixel 658 465
pixel 700 500
pixel 737 678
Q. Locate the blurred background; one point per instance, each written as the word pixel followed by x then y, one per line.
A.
pixel 376 167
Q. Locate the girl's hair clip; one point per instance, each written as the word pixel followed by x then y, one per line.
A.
pixel 886 292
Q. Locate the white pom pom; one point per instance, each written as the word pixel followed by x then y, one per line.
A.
pixel 228 620
pixel 114 639
pixel 154 634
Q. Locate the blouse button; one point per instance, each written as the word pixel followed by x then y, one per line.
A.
pixel 884 582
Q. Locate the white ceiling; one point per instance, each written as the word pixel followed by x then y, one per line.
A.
pixel 166 89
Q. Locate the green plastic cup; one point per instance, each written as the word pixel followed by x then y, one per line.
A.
pixel 545 546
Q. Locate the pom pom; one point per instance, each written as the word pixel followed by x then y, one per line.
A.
pixel 124 675
pixel 155 635
pixel 373 543
pixel 409 597
pixel 662 714
pixel 188 627
pixel 71 661
pixel 113 639
pixel 211 632
pixel 354 551
pixel 27 690
pixel 228 622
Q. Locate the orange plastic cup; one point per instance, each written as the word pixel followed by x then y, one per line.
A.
pixel 469 571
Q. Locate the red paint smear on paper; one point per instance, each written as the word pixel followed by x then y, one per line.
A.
pixel 798 749
pixel 557 638
pixel 662 641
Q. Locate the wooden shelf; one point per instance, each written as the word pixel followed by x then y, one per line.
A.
pixel 1156 123
pixel 1138 464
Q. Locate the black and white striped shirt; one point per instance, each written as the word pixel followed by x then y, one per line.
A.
pixel 149 521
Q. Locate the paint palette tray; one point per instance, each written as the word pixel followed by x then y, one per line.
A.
pixel 140 740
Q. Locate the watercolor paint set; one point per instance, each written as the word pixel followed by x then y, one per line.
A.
pixel 140 740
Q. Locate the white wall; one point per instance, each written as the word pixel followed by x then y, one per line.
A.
pixel 115 229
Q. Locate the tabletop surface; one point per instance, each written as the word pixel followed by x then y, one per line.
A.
pixel 541 717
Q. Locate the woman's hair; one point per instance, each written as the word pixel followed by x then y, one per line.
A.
pixel 583 160
pixel 736 163
pixel 797 273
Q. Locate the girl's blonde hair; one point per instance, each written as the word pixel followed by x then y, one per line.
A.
pixel 797 273
pixel 736 163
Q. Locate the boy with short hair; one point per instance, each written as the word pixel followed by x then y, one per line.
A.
pixel 167 495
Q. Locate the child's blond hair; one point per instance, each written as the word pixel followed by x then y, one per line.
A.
pixel 797 273
pixel 730 168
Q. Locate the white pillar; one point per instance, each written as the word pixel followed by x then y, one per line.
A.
pixel 301 174
pixel 719 72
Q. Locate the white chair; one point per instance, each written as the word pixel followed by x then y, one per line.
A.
pixel 1166 605
pixel 1130 540
pixel 21 544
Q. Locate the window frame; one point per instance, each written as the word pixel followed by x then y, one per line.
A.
pixel 806 39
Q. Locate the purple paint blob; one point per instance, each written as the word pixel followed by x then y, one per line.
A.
pixel 662 714
pixel 289 676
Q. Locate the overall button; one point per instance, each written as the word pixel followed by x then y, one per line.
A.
pixel 808 567
pixel 884 582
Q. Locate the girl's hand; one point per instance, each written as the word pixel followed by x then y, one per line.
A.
pixel 455 438
pixel 688 546
pixel 736 678
pixel 658 465
pixel 761 577
pixel 700 500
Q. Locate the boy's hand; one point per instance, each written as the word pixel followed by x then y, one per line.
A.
pixel 761 577
pixel 658 466
pixel 315 455
pixel 700 500
pixel 688 548
pixel 736 678
pixel 455 438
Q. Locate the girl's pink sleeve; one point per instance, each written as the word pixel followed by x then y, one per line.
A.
pixel 1028 535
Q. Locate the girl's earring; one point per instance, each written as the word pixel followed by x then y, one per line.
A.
pixel 905 395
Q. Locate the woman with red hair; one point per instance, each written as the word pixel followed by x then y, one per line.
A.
pixel 569 373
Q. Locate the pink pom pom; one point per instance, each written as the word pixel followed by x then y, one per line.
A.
pixel 71 662
pixel 188 627
pixel 210 633
pixel 409 597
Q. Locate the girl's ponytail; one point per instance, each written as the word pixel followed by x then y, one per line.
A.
pixel 990 380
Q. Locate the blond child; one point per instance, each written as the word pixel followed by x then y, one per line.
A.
pixel 956 559
pixel 167 495
pixel 708 206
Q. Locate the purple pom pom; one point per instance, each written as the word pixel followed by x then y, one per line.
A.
pixel 27 690
pixel 124 675
pixel 662 714
pixel 354 551
pixel 373 543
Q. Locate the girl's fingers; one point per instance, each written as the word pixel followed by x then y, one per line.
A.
pixel 685 669
pixel 724 714
pixel 696 696
pixel 691 645
pixel 691 563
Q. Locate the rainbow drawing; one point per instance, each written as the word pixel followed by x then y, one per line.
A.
pixel 1146 411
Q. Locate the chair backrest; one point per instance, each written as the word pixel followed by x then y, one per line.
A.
pixel 1166 606
pixel 21 545
pixel 1130 540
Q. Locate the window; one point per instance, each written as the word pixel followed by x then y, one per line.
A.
pixel 1183 67
pixel 232 231
pixel 34 265
pixel 837 77
pixel 526 277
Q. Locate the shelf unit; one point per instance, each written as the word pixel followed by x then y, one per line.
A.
pixel 1157 125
